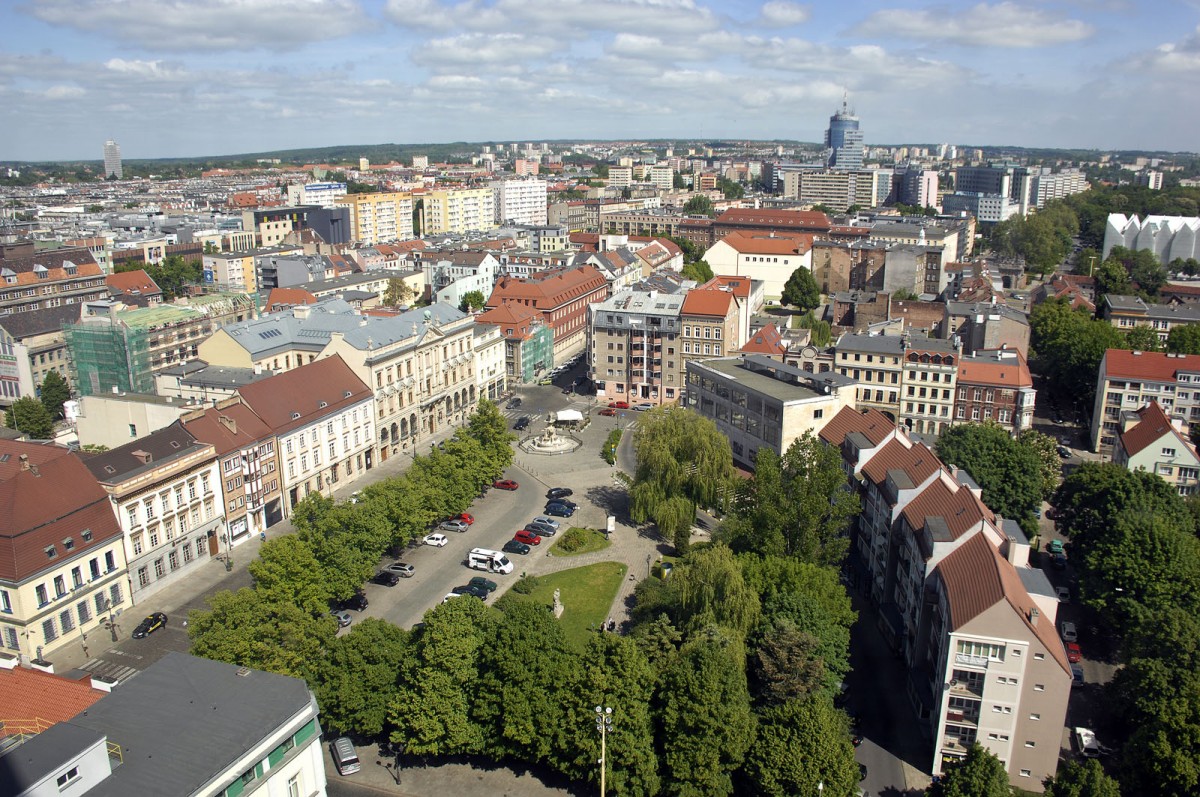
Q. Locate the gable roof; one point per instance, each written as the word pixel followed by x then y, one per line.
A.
pixel 39 322
pixel 871 423
pixel 1158 366
pixel 766 340
pixel 547 290
pixel 916 461
pixel 33 694
pixel 229 428
pixel 953 502
pixel 714 302
pixel 976 578
pixel 1003 368
pixel 134 282
pixel 800 219
pixel 306 394
pixel 1152 427
pixel 738 286
pixel 761 243
pixel 145 453
pixel 280 298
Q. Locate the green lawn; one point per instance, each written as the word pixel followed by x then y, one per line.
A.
pixel 578 540
pixel 587 595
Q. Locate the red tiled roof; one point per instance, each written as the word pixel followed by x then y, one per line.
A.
pixel 36 695
pixel 302 391
pixel 915 459
pixel 871 423
pixel 546 294
pixel 209 428
pixel 957 505
pixel 1013 374
pixel 1153 426
pixel 760 243
pixel 976 578
pixel 136 281
pixel 807 219
pixel 1180 290
pixel 766 341
pixel 715 303
pixel 509 314
pixel 287 297
pixel 1157 366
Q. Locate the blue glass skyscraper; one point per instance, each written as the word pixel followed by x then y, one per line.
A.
pixel 843 140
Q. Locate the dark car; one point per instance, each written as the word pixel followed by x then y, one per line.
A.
pixel 542 529
pixel 559 510
pixel 358 601
pixel 567 502
pixel 513 404
pixel 505 484
pixel 471 589
pixel 152 623
pixel 522 423
pixel 527 537
pixel 485 584
pixel 1059 562
pixel 385 578
pixel 1064 452
pixel 554 493
pixel 515 546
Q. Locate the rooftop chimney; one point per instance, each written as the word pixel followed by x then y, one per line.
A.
pixel 24 458
pixel 1034 614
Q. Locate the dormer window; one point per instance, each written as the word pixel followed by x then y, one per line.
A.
pixel 51 552
pixel 295 416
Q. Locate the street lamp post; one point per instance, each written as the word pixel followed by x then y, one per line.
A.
pixel 604 726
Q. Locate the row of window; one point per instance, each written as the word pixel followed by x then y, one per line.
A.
pixel 64 622
pixel 156 534
pixel 135 510
pixel 59 582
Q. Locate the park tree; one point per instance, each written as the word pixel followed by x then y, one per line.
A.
pixel 1112 279
pixel 658 639
pixel 1096 492
pixel 699 205
pixel 802 744
pixel 53 393
pixel 1184 339
pixel 1081 779
pixel 797 505
pixel 801 290
pixel 489 427
pixel 980 774
pixel 698 270
pixel 786 664
pixel 31 418
pixel 706 723
pixel 683 462
pixel 472 301
pixel 287 571
pixel 1009 473
pixel 730 188
pixel 1069 345
pixel 711 589
pixel 1045 448
pixel 398 293
pixel 1141 266
pixel 1142 338
pixel 806 613
pixel 359 680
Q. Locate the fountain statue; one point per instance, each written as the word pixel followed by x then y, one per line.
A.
pixel 558 606
pixel 549 442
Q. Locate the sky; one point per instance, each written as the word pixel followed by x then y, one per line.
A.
pixel 187 78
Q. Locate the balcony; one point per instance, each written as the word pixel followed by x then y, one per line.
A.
pixel 964 688
pixel 969 719
pixel 971 661
pixel 956 745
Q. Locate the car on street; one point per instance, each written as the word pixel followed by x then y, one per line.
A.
pixel 402 569
pixel 342 617
pixel 1069 634
pixel 483 583
pixel 465 517
pixel 527 537
pixel 458 526
pixel 1054 546
pixel 643 407
pixel 559 492
pixel 559 510
pixel 541 529
pixel 1059 562
pixel 619 405
pixel 153 622
pixel 436 540
pixel 1064 452
pixel 1063 593
pixel 522 423
pixel 505 484
pixel 608 412
pixel 568 390
pixel 471 589
pixel 546 380
pixel 1074 654
pixel 513 403
pixel 345 757
pixel 515 546
pixel 385 578
pixel 358 602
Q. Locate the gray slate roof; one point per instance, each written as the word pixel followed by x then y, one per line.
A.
pixel 878 344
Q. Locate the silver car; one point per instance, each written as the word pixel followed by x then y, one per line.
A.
pixel 454 525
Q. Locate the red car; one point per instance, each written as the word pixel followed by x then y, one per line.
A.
pixel 619 405
pixel 527 537
pixel 609 411
pixel 465 517
pixel 505 484
pixel 1074 654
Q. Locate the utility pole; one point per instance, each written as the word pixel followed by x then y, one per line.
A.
pixel 603 725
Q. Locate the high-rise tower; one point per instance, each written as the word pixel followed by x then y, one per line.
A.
pixel 843 140
pixel 112 159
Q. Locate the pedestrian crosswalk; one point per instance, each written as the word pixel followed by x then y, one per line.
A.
pixel 110 670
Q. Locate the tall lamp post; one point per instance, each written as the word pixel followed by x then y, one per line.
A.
pixel 604 726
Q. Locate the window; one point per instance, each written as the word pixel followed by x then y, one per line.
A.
pixel 115 596
pixel 67 620
pixel 60 586
pixel 1030 743
pixel 143 577
pixel 1039 687
pixel 10 638
pixel 110 562
pixel 49 632
pixel 99 600
pixel 51 552
pixel 293 786
pixel 1039 656
pixel 158 568
pixel 137 544
pixel 5 602
pixel 1168 452
pixel 1025 773
pixel 1035 716
pixel 68 777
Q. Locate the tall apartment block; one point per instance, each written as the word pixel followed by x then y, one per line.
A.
pixel 112 160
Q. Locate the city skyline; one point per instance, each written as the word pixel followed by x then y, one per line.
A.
pixel 187 79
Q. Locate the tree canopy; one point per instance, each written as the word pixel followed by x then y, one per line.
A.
pixel 699 205
pixel 472 301
pixel 1009 471
pixel 698 270
pixel 801 290
pixel 1184 339
pixel 30 417
pixel 1081 779
pixel 979 774
pixel 1067 346
pixel 53 393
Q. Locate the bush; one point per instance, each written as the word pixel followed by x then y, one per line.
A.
pixel 573 540
pixel 525 586
pixel 609 452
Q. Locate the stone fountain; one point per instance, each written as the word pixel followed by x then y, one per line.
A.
pixel 549 442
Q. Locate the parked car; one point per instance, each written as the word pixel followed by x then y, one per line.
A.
pixel 522 423
pixel 402 569
pixel 619 405
pixel 567 502
pixel 465 517
pixel 513 403
pixel 458 526
pixel 559 510
pixel 643 407
pixel 358 602
pixel 515 546
pixel 1069 634
pixel 449 596
pixel 559 492
pixel 342 617
pixel 436 540
pixel 483 583
pixel 505 484
pixel 1074 654
pixel 1065 452
pixel 608 411
pixel 551 522
pixel 541 529
pixel 385 578
pixel 152 623
pixel 1054 546
pixel 1077 676
pixel 527 537
pixel 345 757
pixel 471 589
pixel 1063 594
pixel 1059 562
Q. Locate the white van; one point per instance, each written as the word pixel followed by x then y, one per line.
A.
pixel 345 757
pixel 491 561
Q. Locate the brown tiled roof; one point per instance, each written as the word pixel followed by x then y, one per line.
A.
pixel 280 298
pixel 976 578
pixel 915 459
pixel 766 341
pixel 738 286
pixel 549 292
pixel 136 281
pixel 26 268
pixel 1158 366
pixel 229 428
pixel 302 391
pixel 804 219
pixel 35 695
pixel 871 423
pixel 508 314
pixel 716 303
pixel 760 243
pixel 956 505
pixel 1013 374
pixel 1153 426
pixel 37 510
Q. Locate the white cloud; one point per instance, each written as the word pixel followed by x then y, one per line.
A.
pixel 573 18
pixel 63 93
pixel 1178 58
pixel 157 70
pixel 207 24
pixel 1001 25
pixel 783 13
pixel 653 48
pixel 485 48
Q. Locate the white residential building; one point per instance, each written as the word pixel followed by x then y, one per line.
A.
pixel 520 201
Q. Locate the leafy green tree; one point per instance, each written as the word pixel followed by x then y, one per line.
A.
pixel 360 678
pixel 800 744
pixel 1045 448
pixel 173 275
pixel 787 664
pixel 731 189
pixel 1141 266
pixel 54 392
pixel 795 506
pixel 30 417
pixel 490 429
pixel 904 295
pixel 805 613
pixel 472 301
pixel 1069 345
pixel 698 270
pixel 691 252
pixel 1112 278
pixel 699 205
pixel 398 293
pixel 801 290
pixel 1095 493
pixel 706 723
pixel 241 628
pixel 658 639
pixel 1082 779
pixel 712 589
pixel 821 334
pixel 980 774
pixel 286 571
pixel 683 462
pixel 1142 338
pixel 1009 473
pixel 432 712
pixel 1184 339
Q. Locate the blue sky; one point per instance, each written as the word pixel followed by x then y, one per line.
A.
pixel 197 77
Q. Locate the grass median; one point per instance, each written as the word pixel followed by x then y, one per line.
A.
pixel 587 595
pixel 577 541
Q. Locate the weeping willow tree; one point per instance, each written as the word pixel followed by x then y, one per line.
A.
pixel 683 462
